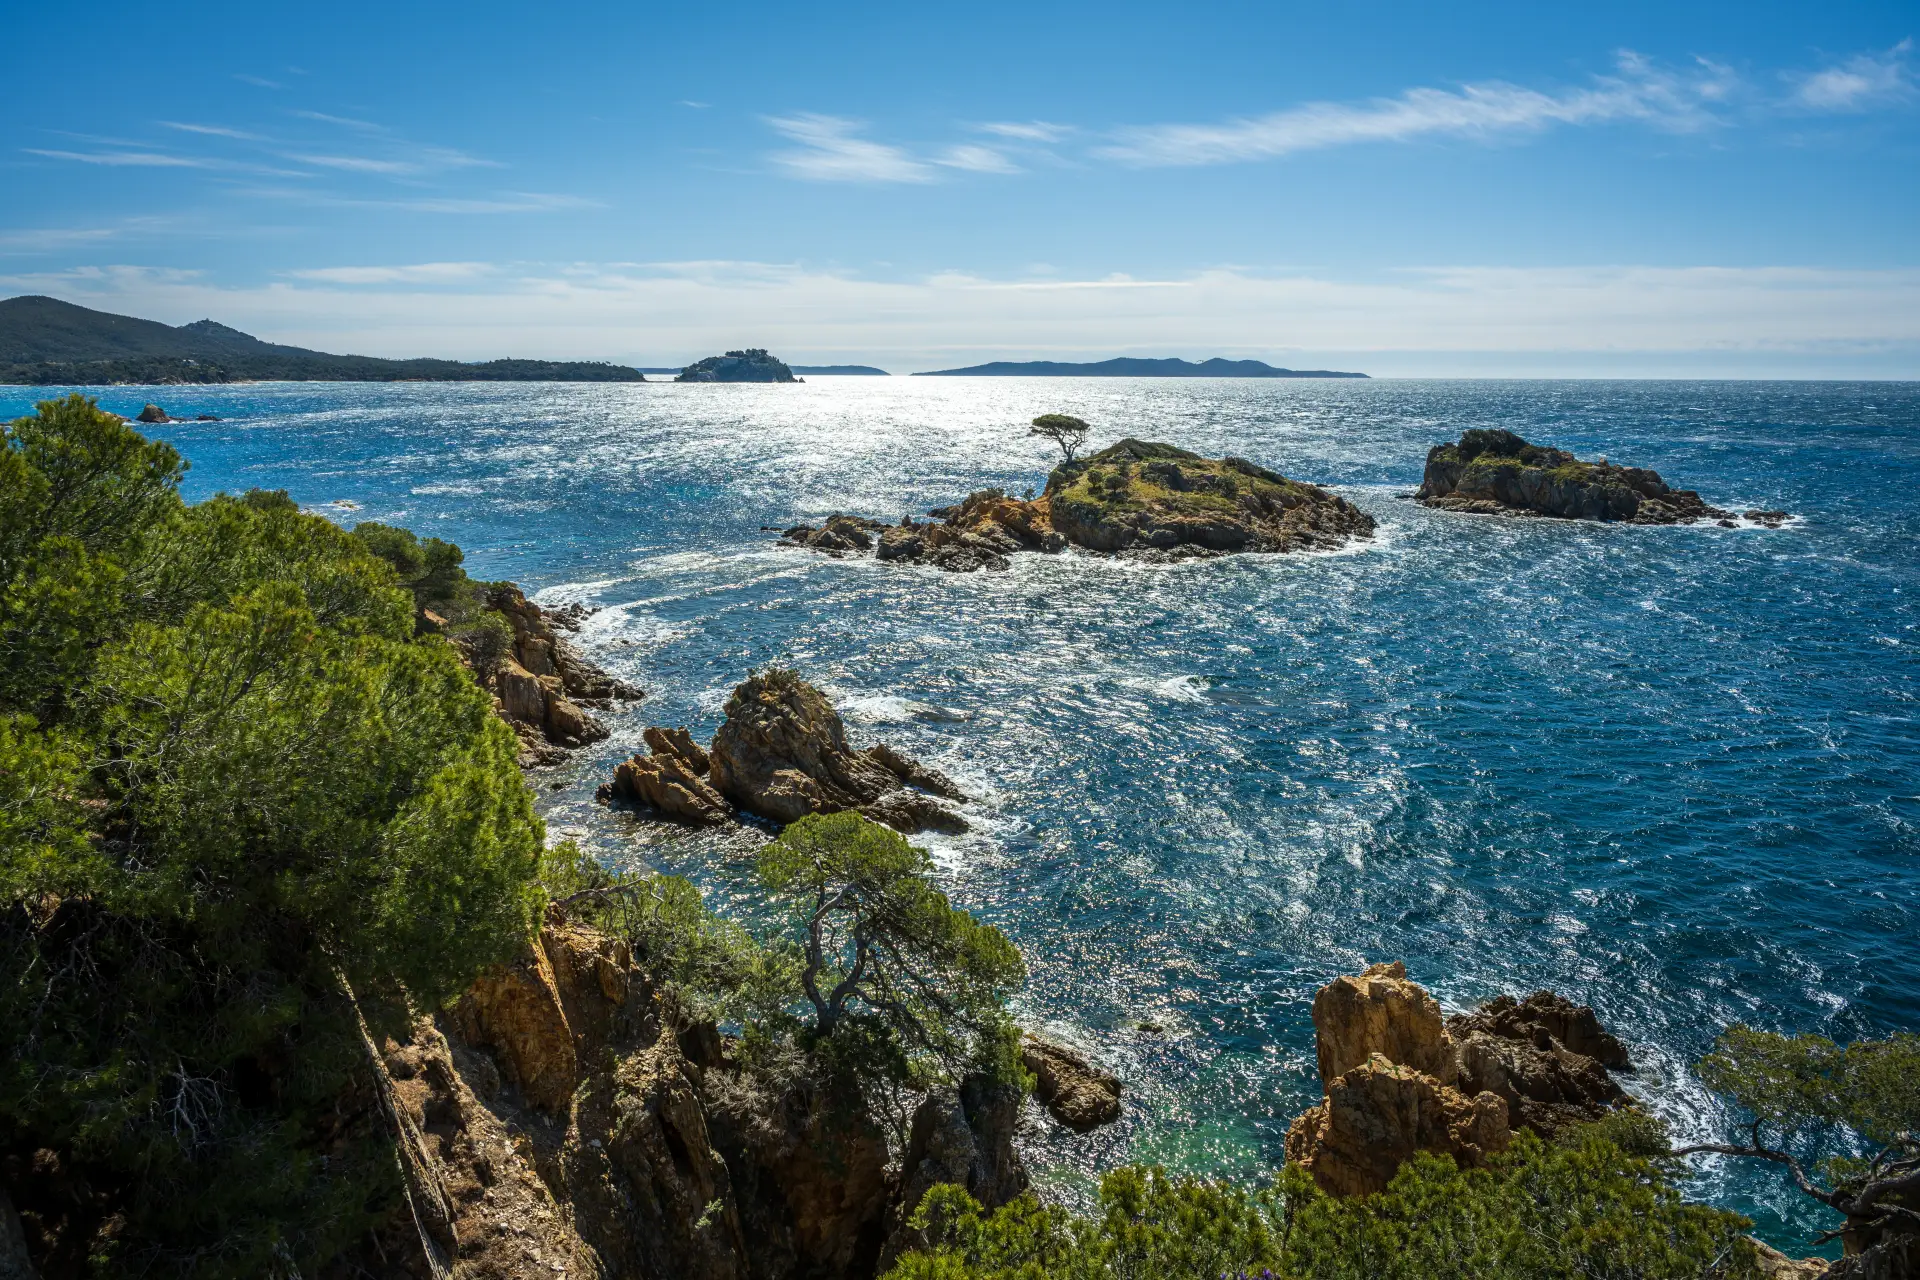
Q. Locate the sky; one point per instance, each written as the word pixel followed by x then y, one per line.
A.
pixel 1410 189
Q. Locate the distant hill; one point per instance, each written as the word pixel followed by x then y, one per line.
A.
pixel 843 370
pixel 1132 367
pixel 47 342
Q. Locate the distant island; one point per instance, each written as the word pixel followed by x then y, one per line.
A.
pixel 751 365
pixel 1132 367
pixel 47 342
pixel 843 370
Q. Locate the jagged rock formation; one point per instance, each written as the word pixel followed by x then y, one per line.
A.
pixel 670 780
pixel 543 685
pixel 1077 1094
pixel 153 413
pixel 566 1120
pixel 1400 1078
pixel 782 753
pixel 1491 472
pixel 751 365
pixel 1136 499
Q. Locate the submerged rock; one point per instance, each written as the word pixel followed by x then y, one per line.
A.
pixel 1400 1078
pixel 1078 1094
pixel 1492 472
pixel 1136 499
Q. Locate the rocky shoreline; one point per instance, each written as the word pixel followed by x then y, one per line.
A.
pixel 1490 472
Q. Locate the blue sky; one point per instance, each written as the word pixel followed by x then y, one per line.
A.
pixel 1669 188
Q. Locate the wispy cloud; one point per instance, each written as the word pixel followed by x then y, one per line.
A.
pixel 258 82
pixel 1028 131
pixel 211 130
pixel 831 150
pixel 1860 82
pixel 44 239
pixel 689 102
pixel 135 159
pixel 345 122
pixel 1639 92
pixel 356 164
pixel 419 273
pixel 977 159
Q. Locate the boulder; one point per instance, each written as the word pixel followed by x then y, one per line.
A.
pixel 153 413
pixel 1492 472
pixel 782 753
pixel 1376 1116
pixel 1077 1094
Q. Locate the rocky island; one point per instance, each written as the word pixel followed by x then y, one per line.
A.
pixel 1138 499
pixel 1492 472
pixel 750 365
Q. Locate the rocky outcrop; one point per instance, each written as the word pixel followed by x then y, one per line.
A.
pixel 750 365
pixel 782 753
pixel 153 413
pixel 1400 1078
pixel 1376 1116
pixel 670 781
pixel 1490 472
pixel 1074 1091
pixel 1136 499
pixel 543 686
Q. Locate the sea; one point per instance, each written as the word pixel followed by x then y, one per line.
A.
pixel 1670 772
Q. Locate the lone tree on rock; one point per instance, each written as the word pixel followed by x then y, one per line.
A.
pixel 1063 429
pixel 879 940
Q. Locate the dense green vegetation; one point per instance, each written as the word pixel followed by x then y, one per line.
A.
pixel 1598 1203
pixel 236 788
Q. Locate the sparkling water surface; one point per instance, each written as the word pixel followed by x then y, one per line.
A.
pixel 1672 772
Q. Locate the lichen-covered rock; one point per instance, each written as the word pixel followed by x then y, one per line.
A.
pixel 782 753
pixel 1494 472
pixel 1074 1091
pixel 1376 1116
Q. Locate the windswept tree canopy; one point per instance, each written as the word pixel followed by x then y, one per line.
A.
pixel 1063 429
pixel 879 939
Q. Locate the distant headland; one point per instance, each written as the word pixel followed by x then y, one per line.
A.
pixel 1132 367
pixel 47 342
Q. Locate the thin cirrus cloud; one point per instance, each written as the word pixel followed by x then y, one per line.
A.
pixel 419 273
pixel 211 130
pixel 1028 131
pixel 1860 82
pixel 1639 92
pixel 831 150
pixel 977 159
pixel 128 159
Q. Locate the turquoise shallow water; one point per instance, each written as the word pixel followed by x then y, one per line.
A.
pixel 1672 772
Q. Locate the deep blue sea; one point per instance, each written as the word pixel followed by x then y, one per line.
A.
pixel 1671 772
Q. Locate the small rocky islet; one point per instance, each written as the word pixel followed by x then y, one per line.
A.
pixel 1136 499
pixel 1494 472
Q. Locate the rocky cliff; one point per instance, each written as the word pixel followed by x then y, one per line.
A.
pixel 1136 499
pixel 1497 473
pixel 567 1119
